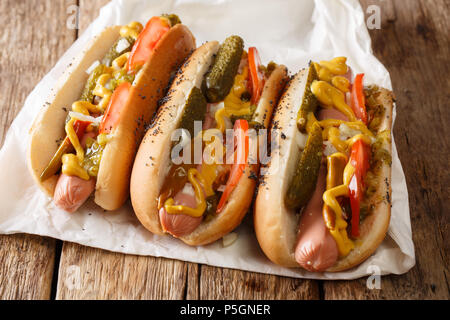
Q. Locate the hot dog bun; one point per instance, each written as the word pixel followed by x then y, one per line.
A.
pixel 113 178
pixel 153 158
pixel 276 226
pixel 112 185
pixel 48 127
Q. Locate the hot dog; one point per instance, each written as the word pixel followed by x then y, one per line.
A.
pixel 325 204
pixel 101 106
pixel 224 87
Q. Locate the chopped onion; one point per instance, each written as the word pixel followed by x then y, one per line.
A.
pixel 188 189
pixel 347 132
pixel 329 148
pixel 92 67
pixel 300 139
pixel 137 77
pixel 122 45
pixel 83 117
pixel 229 239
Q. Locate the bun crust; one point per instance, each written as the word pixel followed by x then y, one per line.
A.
pixel 112 184
pixel 276 226
pixel 153 158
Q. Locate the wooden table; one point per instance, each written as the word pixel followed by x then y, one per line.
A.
pixel 413 44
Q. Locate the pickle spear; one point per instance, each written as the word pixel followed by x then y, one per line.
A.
pixel 172 18
pixel 220 78
pixel 304 180
pixel 309 102
pixel 195 110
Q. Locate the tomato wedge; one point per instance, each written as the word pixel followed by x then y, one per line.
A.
pixel 146 42
pixel 240 160
pixel 79 127
pixel 360 156
pixel 256 76
pixel 357 98
pixel 115 106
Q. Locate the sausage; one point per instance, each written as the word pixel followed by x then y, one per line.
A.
pixel 316 249
pixel 71 192
pixel 331 113
pixel 180 224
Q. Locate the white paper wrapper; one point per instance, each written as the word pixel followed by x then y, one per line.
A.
pixel 290 32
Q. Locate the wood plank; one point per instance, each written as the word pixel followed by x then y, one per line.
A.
pixel 223 283
pixel 89 10
pixel 413 44
pixel 100 274
pixel 90 273
pixel 26 267
pixel 34 35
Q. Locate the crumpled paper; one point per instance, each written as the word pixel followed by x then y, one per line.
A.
pixel 291 32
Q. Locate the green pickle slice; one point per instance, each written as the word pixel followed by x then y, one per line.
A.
pixel 220 78
pixel 94 152
pixel 173 18
pixel 304 180
pixel 309 102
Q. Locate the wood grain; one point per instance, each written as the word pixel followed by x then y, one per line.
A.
pixel 413 44
pixel 90 273
pixel 222 283
pixel 34 36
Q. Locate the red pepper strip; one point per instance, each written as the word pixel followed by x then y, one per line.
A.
pixel 115 106
pixel 357 98
pixel 146 42
pixel 65 147
pixel 240 160
pixel 360 156
pixel 256 76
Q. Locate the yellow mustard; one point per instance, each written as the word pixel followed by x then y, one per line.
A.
pixel 330 90
pixel 341 83
pixel 356 125
pixel 339 232
pixel 133 29
pixel 199 197
pixel 71 163
pixel 336 66
pixel 120 62
pixel 330 96
pixel 233 105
